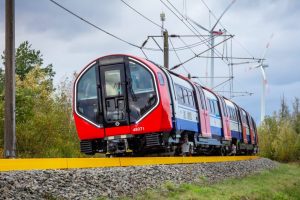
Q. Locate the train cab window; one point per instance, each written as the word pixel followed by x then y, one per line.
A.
pixel 86 99
pixel 141 95
pixel 113 83
pixel 142 82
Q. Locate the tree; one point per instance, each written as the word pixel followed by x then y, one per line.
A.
pixel 27 59
pixel 296 115
pixel 284 112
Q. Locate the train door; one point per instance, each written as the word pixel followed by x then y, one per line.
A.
pixel 251 129
pixel 114 95
pixel 244 127
pixel 204 116
pixel 255 131
pixel 225 119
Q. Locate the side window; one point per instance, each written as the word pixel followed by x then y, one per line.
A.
pixel 191 99
pixel 202 99
pixel 179 94
pixel 186 96
pixel 217 110
pixel 182 95
pixel 232 114
pixel 141 92
pixel 160 78
pixel 86 99
pixel 211 105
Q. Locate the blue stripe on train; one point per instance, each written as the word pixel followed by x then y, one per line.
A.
pixel 249 139
pixel 237 135
pixel 216 131
pixel 182 124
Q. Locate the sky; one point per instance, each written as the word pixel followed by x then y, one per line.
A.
pixel 69 43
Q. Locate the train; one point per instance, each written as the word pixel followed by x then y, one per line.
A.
pixel 124 105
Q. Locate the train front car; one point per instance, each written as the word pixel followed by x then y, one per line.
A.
pixel 121 105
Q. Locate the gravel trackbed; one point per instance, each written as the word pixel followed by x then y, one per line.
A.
pixel 117 181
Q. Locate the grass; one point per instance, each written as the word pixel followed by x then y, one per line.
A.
pixel 280 183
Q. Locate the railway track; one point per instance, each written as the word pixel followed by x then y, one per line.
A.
pixel 73 163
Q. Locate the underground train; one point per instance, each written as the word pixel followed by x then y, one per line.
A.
pixel 126 105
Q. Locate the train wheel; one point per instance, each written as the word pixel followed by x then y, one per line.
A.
pixel 223 151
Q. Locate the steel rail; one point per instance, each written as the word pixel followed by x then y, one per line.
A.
pixel 76 163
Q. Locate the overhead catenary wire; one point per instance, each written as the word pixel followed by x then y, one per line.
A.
pixel 106 32
pixel 93 25
pixel 186 45
pixel 223 83
pixel 188 60
pixel 101 29
pixel 178 57
pixel 188 72
pixel 239 43
pixel 148 19
pixel 182 20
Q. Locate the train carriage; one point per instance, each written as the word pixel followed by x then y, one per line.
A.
pixel 128 105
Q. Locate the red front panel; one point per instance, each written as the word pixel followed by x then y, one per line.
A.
pixel 157 120
pixel 87 130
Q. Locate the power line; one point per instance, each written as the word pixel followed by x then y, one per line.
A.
pixel 225 28
pixel 178 56
pixel 186 45
pixel 141 14
pixel 183 18
pixel 90 23
pixel 223 83
pixel 100 29
pixel 176 66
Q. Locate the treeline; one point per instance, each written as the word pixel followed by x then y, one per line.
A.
pixel 44 122
pixel 279 135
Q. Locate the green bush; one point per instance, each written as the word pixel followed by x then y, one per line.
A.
pixel 279 137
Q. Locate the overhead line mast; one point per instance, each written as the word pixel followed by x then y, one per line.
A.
pixel 10 83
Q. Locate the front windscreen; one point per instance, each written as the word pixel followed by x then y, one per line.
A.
pixel 142 95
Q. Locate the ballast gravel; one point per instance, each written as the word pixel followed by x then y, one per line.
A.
pixel 119 181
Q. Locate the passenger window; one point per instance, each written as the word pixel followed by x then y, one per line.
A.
pixel 217 110
pixel 186 97
pixel 191 99
pixel 212 109
pixel 182 95
pixel 202 99
pixel 87 100
pixel 179 94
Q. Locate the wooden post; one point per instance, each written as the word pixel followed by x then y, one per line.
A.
pixel 166 49
pixel 10 105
